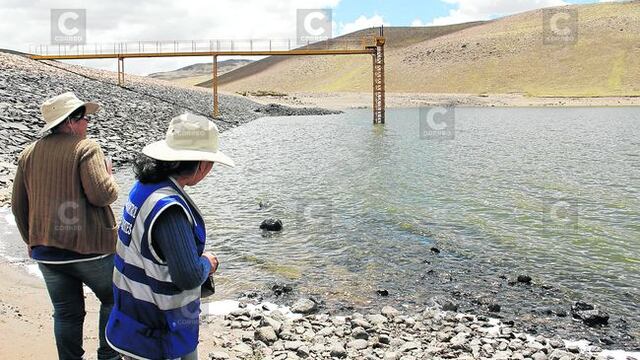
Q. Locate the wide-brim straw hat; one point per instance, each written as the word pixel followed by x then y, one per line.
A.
pixel 189 138
pixel 58 108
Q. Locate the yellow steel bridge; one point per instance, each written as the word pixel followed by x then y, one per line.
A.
pixel 373 45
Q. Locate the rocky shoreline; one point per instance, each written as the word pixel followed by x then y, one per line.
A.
pixel 266 331
pixel 131 116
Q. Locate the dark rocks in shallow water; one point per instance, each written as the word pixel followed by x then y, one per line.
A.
pixel 279 289
pixel 561 312
pixel 592 317
pixel 263 205
pixel 607 341
pixel 345 307
pixel 449 306
pixel 382 292
pixel 281 110
pixel 549 311
pixel 271 225
pixel 250 295
pixel 543 311
pixel 589 315
pixel 494 308
pixel 524 279
pixel 435 250
pixel 581 306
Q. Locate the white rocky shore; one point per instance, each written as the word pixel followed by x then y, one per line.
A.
pixel 266 331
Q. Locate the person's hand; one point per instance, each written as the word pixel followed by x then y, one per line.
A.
pixel 109 165
pixel 213 260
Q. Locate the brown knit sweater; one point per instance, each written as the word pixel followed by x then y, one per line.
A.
pixel 61 195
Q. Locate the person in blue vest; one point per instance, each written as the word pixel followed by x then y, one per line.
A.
pixel 160 262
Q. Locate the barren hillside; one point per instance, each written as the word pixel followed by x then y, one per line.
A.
pixel 197 73
pixel 506 55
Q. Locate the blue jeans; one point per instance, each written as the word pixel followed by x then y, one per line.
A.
pixel 64 284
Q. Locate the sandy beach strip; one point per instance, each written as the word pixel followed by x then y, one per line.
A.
pixel 351 100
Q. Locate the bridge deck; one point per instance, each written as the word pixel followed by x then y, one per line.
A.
pixel 236 47
pixel 205 53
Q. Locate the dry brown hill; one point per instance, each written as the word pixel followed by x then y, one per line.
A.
pixel 506 55
pixel 197 73
pixel 308 70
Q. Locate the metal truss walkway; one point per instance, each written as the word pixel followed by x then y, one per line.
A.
pixel 373 45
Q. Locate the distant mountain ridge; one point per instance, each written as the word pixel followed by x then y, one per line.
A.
pixel 196 73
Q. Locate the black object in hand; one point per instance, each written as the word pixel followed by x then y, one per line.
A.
pixel 208 288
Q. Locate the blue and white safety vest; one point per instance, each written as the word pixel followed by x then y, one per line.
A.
pixel 152 318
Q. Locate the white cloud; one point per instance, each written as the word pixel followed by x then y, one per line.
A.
pixel 474 10
pixel 360 23
pixel 24 22
pixel 418 22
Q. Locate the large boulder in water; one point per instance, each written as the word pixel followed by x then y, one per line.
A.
pixel 589 315
pixel 271 225
pixel 594 317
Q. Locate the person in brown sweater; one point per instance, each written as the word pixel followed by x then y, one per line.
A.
pixel 61 202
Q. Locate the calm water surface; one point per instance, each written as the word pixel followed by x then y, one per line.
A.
pixel 549 192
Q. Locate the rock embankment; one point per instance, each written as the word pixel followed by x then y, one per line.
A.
pixel 131 116
pixel 282 110
pixel 266 332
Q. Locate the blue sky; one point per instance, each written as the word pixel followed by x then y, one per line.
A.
pixel 397 12
pixel 401 12
pixel 406 12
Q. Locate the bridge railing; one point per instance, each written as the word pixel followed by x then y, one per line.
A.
pixel 185 46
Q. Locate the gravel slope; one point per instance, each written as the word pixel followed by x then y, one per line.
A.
pixel 131 116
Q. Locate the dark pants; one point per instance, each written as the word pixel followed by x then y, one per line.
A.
pixel 192 356
pixel 64 283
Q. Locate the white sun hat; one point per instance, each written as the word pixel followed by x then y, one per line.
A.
pixel 58 108
pixel 189 138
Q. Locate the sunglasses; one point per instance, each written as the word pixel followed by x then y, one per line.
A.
pixel 78 115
